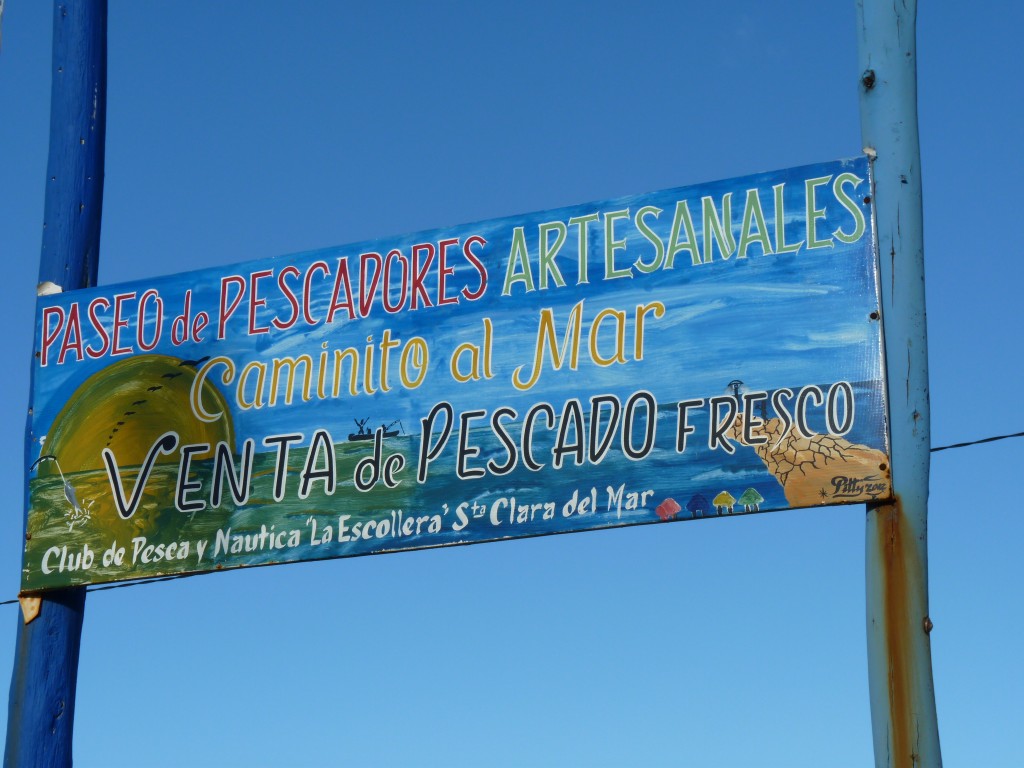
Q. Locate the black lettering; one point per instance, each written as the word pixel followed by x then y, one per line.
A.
pixel 572 415
pixel 650 425
pixel 281 466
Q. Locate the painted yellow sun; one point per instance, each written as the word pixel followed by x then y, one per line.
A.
pixel 125 407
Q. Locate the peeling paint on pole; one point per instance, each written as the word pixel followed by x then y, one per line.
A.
pixel 903 716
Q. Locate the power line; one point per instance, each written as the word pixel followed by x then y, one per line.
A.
pixel 187 575
pixel 977 442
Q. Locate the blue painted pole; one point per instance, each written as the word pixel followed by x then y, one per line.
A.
pixel 42 697
pixel 903 717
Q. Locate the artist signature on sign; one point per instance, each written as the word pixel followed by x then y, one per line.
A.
pixel 852 487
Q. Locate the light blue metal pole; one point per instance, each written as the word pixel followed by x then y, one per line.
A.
pixel 41 714
pixel 903 715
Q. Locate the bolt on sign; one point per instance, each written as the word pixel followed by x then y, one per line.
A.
pixel 698 352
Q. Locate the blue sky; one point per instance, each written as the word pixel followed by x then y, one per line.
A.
pixel 251 130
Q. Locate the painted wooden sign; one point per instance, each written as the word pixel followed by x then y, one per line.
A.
pixel 696 352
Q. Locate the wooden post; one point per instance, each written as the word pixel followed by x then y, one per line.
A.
pixel 40 718
pixel 903 717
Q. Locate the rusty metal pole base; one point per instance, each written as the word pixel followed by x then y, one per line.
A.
pixel 903 718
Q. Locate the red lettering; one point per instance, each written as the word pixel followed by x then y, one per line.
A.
pixel 385 294
pixel 227 309
pixel 473 259
pixel 181 321
pixel 292 271
pixel 319 266
pixel 255 302
pixel 341 279
pixel 119 323
pixel 443 271
pixel 366 294
pixel 49 337
pixel 158 321
pixel 72 335
pixel 202 320
pixel 97 324
pixel 418 274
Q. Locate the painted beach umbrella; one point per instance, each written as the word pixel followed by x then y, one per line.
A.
pixel 736 388
pixel 750 500
pixel 698 506
pixel 668 509
pixel 724 501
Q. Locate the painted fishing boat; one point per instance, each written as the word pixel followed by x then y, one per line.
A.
pixel 365 433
